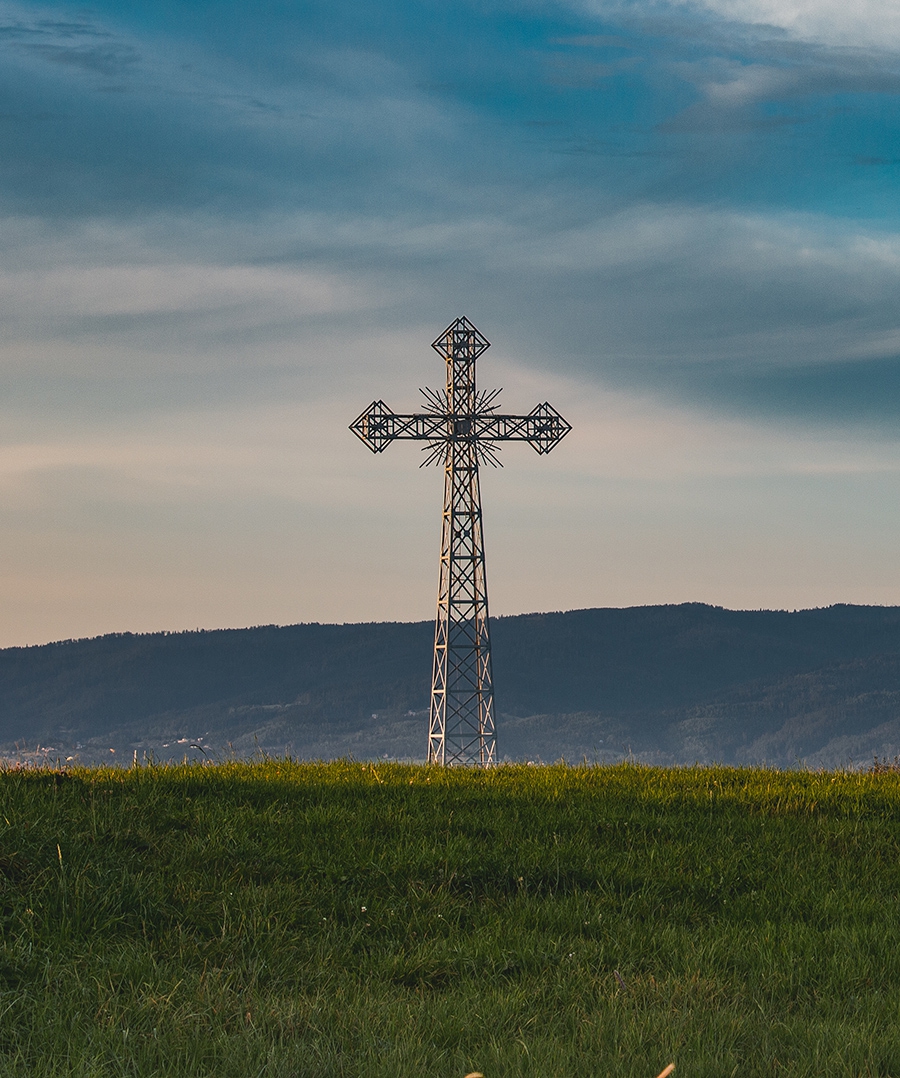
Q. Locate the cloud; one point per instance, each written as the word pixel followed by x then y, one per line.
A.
pixel 81 44
pixel 224 230
pixel 578 72
pixel 730 85
pixel 90 295
pixel 130 123
pixel 745 313
pixel 863 23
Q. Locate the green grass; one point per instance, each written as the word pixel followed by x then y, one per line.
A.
pixel 281 919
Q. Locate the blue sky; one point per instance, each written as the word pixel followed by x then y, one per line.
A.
pixel 225 228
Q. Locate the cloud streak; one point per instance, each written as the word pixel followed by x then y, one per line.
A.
pixel 221 237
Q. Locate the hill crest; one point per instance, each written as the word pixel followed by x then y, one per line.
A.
pixel 674 683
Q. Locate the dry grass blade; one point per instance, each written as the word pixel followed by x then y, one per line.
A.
pixel 668 1070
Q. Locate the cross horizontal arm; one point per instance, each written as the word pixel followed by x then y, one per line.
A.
pixel 378 426
pixel 542 428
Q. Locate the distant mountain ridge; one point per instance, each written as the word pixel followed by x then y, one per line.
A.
pixel 677 683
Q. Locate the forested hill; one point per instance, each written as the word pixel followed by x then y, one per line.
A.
pixel 662 683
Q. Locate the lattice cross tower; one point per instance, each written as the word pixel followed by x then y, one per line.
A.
pixel 461 428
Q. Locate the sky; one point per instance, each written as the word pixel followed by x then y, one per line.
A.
pixel 226 228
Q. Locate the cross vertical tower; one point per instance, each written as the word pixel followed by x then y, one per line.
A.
pixel 461 428
pixel 461 716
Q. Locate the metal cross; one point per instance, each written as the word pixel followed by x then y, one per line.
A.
pixel 461 428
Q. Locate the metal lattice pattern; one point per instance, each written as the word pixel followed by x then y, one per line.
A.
pixel 461 429
pixel 461 725
pixel 542 428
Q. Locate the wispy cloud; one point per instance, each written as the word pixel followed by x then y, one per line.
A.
pixel 678 218
pixel 865 24
pixel 862 23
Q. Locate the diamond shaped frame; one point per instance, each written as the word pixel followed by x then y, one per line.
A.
pixel 477 342
pixel 547 429
pixel 373 426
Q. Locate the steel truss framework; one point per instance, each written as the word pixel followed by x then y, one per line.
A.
pixel 461 427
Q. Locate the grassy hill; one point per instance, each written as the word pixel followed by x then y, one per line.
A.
pixel 361 920
pixel 667 684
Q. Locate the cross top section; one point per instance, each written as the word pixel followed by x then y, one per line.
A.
pixel 459 413
pixel 461 338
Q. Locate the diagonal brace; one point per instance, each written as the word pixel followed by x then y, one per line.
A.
pixel 378 426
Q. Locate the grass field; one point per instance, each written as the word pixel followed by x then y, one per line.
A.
pixel 281 919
